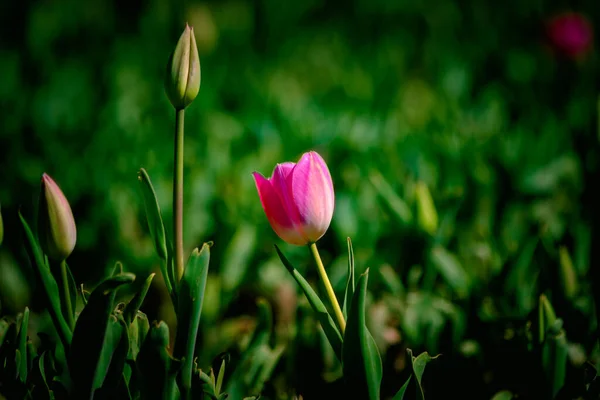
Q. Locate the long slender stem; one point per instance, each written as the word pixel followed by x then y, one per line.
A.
pixel 330 293
pixel 67 294
pixel 178 194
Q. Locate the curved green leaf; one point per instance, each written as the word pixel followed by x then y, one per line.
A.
pixel 134 305
pixel 418 368
pixel 349 293
pixel 400 393
pixel 22 367
pixel 89 336
pixel 156 366
pixel 189 308
pixel 329 327
pixel 361 362
pixel 112 361
pixel 157 228
pixel 44 276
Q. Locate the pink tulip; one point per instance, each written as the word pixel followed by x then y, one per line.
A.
pixel 298 199
pixel 56 227
pixel 570 33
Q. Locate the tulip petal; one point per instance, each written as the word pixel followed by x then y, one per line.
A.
pixel 274 207
pixel 311 189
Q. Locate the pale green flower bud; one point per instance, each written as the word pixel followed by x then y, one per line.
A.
pixel 182 81
pixel 56 226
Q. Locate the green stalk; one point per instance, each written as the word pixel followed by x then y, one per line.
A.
pixel 66 294
pixel 330 293
pixel 178 195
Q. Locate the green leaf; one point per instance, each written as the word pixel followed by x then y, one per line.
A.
pixel 329 327
pixel 568 276
pixel 349 293
pixel 400 393
pixel 554 347
pixel 56 270
pixel 156 227
pixel 395 202
pixel 44 276
pixel 202 385
pixel 503 395
pixel 361 362
pixel 89 336
pixel 112 361
pixel 157 368
pixel 138 330
pixel 42 361
pixel 427 216
pixel 418 365
pixel 22 367
pixel 220 377
pixel 189 308
pixel 451 270
pixel 134 305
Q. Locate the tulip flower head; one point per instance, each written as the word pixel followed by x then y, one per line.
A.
pixel 570 34
pixel 298 199
pixel 56 226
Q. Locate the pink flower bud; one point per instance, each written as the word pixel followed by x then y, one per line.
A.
pixel 298 199
pixel 570 34
pixel 56 226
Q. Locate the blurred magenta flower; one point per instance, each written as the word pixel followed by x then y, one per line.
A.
pixel 56 226
pixel 570 33
pixel 298 199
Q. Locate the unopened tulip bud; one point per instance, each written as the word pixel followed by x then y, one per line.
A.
pixel 298 199
pixel 56 226
pixel 182 81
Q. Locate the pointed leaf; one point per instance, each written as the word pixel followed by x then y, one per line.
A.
pixel 156 226
pixel 22 369
pixel 451 270
pixel 44 276
pixel 189 308
pixel 329 327
pixel 360 357
pixel 349 293
pixel 89 335
pixel 134 305
pixel 112 361
pixel 418 368
pixel 220 377
pixel 400 393
pixel 157 367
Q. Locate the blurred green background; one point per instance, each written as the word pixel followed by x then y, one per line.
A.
pixel 460 143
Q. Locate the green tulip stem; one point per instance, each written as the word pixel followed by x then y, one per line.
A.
pixel 178 195
pixel 330 293
pixel 66 294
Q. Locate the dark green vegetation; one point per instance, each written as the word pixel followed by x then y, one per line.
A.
pixel 463 150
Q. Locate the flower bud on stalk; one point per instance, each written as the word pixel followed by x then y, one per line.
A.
pixel 56 227
pixel 182 81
